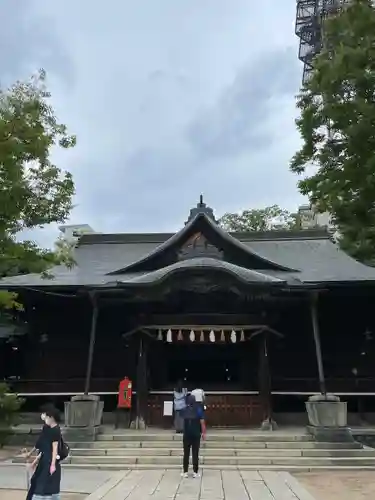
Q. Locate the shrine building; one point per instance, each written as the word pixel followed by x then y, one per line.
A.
pixel 259 320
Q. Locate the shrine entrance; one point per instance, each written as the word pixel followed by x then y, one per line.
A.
pixel 223 362
pixel 212 367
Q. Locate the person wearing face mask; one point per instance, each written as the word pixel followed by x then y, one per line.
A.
pixel 38 448
pixel 48 478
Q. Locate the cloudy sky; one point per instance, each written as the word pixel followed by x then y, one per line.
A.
pixel 168 98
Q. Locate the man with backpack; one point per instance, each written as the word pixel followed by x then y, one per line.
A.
pixel 194 430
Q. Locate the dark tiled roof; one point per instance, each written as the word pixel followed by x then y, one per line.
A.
pixel 201 222
pixel 318 260
pixel 245 275
pixel 311 254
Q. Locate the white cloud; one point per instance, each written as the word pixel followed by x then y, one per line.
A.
pixel 168 99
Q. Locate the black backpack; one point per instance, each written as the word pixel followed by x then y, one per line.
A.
pixel 63 450
pixel 192 424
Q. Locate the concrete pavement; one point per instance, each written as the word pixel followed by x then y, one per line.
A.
pixel 213 485
pixel 169 485
pixel 13 477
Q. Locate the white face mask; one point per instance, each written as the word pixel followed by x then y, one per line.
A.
pixel 43 417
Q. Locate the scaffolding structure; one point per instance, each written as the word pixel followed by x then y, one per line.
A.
pixel 309 24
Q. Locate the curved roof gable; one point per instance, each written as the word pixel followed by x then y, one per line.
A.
pixel 197 264
pixel 204 225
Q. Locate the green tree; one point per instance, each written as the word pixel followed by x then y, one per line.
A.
pixel 261 219
pixel 10 404
pixel 33 190
pixel 337 126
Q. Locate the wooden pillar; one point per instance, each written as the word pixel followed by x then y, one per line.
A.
pixel 142 385
pixel 94 320
pixel 265 389
pixel 264 375
pixel 318 349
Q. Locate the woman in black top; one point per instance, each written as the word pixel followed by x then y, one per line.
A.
pixel 47 482
pixel 39 446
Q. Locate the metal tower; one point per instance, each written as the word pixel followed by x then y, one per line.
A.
pixel 309 21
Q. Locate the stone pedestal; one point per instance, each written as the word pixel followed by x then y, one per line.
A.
pixel 268 425
pixel 84 412
pixel 138 423
pixel 328 419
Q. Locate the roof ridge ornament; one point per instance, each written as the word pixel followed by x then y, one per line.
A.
pixel 201 208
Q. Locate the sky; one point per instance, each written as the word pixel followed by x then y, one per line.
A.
pixel 168 98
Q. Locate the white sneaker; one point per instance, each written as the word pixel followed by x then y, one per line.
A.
pixel 184 474
pixel 196 474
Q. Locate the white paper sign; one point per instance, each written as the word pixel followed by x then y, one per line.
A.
pixel 168 408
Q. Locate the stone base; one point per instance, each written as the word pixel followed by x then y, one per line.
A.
pixel 331 434
pixel 84 411
pixel 78 435
pixel 268 425
pixel 139 424
pixel 326 411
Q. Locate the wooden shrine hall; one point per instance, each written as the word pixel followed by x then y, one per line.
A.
pixel 255 319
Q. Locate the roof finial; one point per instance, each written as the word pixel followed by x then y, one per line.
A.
pixel 201 208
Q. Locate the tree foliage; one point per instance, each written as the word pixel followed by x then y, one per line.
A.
pixel 10 404
pixel 33 190
pixel 337 126
pixel 263 219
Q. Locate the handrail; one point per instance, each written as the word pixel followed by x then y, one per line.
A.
pixel 112 393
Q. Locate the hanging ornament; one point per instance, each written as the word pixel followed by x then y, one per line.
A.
pixel 179 336
pixel 202 336
pixel 212 336
pixel 169 336
pixel 192 336
pixel 242 339
pixel 233 336
pixel 160 335
pixel 222 336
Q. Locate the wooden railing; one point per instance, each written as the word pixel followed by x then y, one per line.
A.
pixel 292 386
pixel 222 410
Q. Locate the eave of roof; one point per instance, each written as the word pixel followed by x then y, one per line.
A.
pixel 158 238
pixel 204 264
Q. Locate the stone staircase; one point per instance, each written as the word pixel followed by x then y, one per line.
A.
pixel 281 450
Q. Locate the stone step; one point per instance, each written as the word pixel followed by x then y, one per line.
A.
pixel 160 466
pixel 209 444
pixel 259 462
pixel 228 452
pixel 240 437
